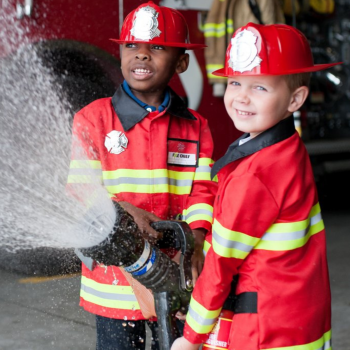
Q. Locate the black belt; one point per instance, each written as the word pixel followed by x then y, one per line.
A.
pixel 244 303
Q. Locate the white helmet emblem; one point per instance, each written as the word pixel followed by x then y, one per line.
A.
pixel 145 26
pixel 116 142
pixel 244 53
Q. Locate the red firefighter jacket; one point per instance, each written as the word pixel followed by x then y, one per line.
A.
pixel 268 231
pixel 158 161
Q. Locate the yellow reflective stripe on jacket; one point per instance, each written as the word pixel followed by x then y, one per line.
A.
pixel 323 6
pixel 218 30
pixel 84 171
pixel 199 211
pixel 80 164
pixel 288 236
pixel 206 247
pixel 324 343
pixel 230 28
pixel 279 237
pixel 148 181
pixel 210 68
pixel 231 244
pixel 138 181
pixel 113 296
pixel 203 169
pixel 200 319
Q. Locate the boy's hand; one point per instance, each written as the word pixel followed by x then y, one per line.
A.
pixel 143 220
pixel 198 256
pixel 180 316
pixel 183 344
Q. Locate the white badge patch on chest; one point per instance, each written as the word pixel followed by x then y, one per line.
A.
pixel 244 53
pixel 116 142
pixel 145 25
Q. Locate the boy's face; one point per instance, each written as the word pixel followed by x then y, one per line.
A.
pixel 256 103
pixel 148 68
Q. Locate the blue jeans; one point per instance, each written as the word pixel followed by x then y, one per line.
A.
pixel 115 334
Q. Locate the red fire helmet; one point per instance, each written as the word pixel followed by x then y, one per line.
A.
pixel 276 49
pixel 159 25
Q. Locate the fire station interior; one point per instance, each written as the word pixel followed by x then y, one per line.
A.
pixel 86 71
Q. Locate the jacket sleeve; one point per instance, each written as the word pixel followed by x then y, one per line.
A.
pixel 198 211
pixel 85 173
pixel 243 214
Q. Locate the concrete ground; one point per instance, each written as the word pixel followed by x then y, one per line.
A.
pixel 42 313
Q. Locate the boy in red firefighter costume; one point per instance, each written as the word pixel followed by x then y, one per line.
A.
pixel 153 155
pixel 267 227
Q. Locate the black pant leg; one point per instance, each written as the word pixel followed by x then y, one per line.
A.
pixel 115 334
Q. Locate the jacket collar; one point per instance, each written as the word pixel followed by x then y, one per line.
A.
pixel 279 132
pixel 130 112
pixel 149 108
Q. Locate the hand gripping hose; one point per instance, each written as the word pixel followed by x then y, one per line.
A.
pixel 171 283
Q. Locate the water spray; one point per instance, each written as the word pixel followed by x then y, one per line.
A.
pixel 171 283
pixel 35 209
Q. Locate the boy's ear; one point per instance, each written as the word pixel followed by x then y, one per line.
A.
pixel 298 98
pixel 182 63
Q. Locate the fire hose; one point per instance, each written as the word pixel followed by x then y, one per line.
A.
pixel 170 283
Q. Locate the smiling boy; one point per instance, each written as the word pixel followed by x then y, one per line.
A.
pixel 152 69
pixel 267 231
pixel 133 141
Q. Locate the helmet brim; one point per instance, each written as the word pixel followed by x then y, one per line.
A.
pixel 317 67
pixel 182 45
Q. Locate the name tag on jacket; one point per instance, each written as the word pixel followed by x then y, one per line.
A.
pixel 183 152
